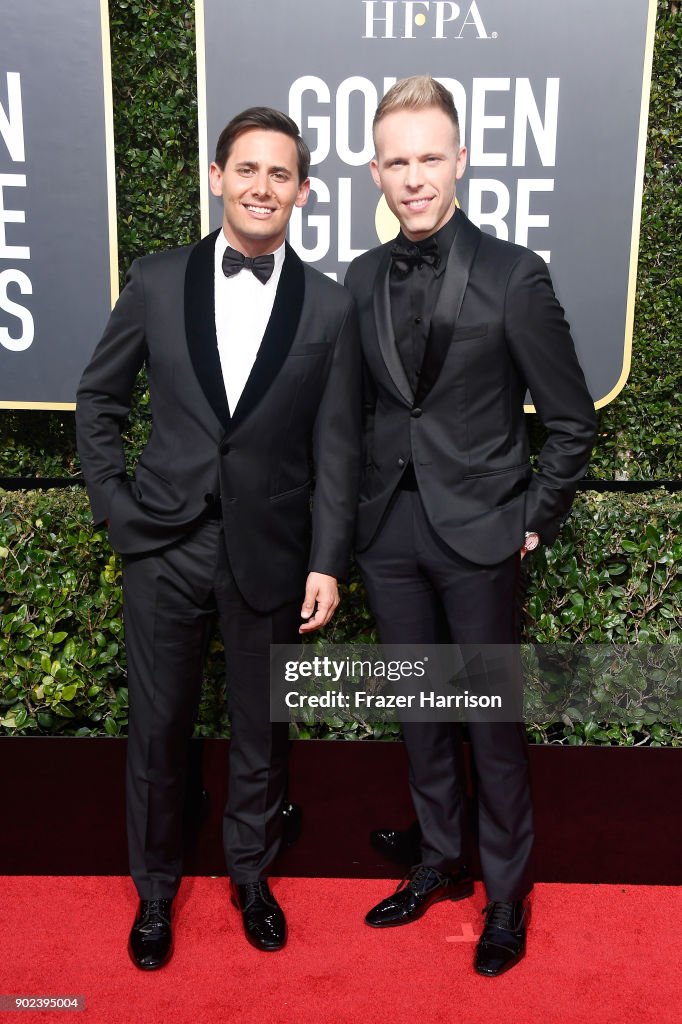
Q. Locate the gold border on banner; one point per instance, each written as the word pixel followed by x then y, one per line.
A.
pixel 638 190
pixel 637 205
pixel 202 109
pixel 636 213
pixel 111 194
pixel 109 145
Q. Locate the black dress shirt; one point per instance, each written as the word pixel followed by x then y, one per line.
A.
pixel 414 296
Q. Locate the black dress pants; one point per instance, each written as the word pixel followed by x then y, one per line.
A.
pixel 415 583
pixel 170 599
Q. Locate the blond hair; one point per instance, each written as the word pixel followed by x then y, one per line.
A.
pixel 416 93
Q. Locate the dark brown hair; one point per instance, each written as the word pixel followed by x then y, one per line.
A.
pixel 267 119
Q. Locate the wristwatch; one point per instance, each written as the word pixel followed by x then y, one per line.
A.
pixel 531 541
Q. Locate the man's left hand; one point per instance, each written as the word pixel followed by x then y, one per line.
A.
pixel 322 591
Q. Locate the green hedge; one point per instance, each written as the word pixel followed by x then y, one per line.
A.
pixel 155 121
pixel 613 578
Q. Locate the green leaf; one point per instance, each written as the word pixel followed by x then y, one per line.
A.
pixel 111 727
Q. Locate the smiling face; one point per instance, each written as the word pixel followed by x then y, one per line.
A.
pixel 418 163
pixel 259 187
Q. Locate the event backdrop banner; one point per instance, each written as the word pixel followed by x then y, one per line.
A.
pixel 58 252
pixel 552 99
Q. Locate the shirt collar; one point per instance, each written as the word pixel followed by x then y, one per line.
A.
pixel 444 238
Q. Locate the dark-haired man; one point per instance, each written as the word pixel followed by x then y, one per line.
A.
pixel 455 325
pixel 252 361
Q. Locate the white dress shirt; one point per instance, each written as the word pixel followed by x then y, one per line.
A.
pixel 242 309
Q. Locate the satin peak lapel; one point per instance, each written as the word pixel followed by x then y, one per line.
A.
pixel 200 325
pixel 278 337
pixel 384 328
pixel 449 304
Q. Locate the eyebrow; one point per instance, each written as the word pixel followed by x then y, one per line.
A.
pixel 420 156
pixel 254 165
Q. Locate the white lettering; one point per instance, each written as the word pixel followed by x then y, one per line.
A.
pixel 480 121
pixel 494 218
pixel 17 252
pixel 310 83
pixel 346 253
pixel 409 6
pixel 25 339
pixel 370 100
pixel 526 113
pixel 476 22
pixel 524 218
pixel 316 222
pixel 12 123
pixel 441 19
pixel 371 18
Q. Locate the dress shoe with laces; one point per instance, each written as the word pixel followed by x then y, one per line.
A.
pixel 151 937
pixel 419 890
pixel 264 923
pixel 503 942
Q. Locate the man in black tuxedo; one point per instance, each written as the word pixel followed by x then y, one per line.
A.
pixel 455 325
pixel 253 367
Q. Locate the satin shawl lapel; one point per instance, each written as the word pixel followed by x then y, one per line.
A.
pixel 278 337
pixel 200 325
pixel 384 328
pixel 449 304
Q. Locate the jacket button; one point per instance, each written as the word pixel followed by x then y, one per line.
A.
pixel 416 413
pixel 401 462
pixel 225 449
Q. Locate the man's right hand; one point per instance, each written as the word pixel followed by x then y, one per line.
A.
pixel 323 591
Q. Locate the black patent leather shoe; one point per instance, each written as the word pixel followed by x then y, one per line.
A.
pixel 400 846
pixel 264 923
pixel 151 938
pixel 503 942
pixel 417 892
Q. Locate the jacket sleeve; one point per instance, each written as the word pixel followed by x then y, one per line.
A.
pixel 336 454
pixel 542 347
pixel 353 282
pixel 104 395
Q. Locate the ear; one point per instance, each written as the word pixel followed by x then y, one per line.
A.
pixel 215 177
pixel 461 163
pixel 303 193
pixel 374 171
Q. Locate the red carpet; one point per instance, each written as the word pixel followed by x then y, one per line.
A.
pixel 597 954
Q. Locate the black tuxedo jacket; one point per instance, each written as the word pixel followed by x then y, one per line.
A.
pixel 298 420
pixel 497 329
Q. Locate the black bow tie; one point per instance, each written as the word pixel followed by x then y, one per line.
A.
pixel 260 266
pixel 406 256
